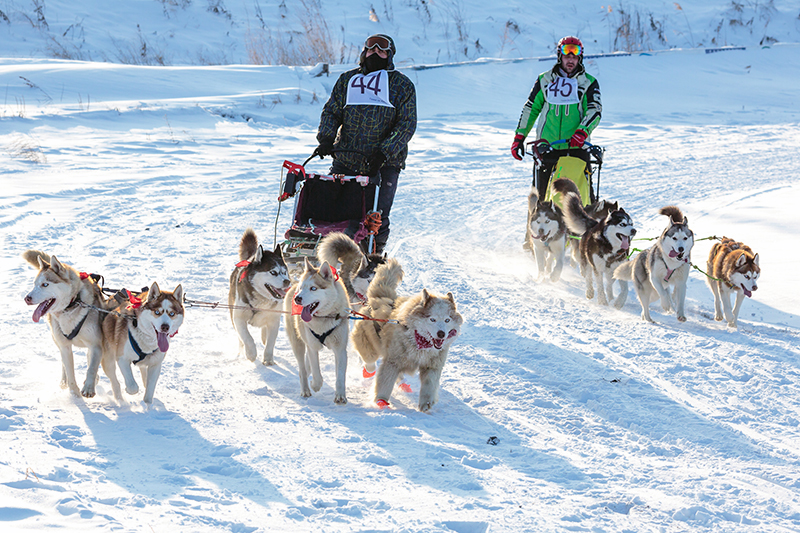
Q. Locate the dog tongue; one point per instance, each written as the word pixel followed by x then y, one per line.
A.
pixel 40 310
pixel 747 293
pixel 673 253
pixel 305 314
pixel 163 341
pixel 626 242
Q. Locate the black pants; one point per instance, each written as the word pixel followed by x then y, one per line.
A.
pixel 388 187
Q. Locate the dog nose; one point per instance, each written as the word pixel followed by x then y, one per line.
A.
pixel 286 283
pixel 633 232
pixel 29 300
pixel 165 328
pixel 440 334
pixel 298 300
pixel 755 287
pixel 680 249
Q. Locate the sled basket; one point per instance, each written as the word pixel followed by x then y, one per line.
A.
pixel 323 204
pixel 578 165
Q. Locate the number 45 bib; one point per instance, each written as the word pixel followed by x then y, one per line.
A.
pixel 562 91
pixel 369 89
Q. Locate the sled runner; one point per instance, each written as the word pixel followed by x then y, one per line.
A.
pixel 579 165
pixel 324 204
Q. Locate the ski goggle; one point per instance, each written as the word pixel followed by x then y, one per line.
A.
pixel 382 43
pixel 574 49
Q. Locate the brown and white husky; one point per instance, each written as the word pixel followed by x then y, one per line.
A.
pixel 736 269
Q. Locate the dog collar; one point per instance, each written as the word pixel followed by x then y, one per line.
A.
pixel 137 350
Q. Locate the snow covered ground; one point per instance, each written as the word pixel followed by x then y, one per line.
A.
pixel 602 422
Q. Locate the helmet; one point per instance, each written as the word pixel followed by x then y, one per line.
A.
pixel 379 40
pixel 570 45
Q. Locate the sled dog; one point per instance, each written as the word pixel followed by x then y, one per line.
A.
pixel 736 267
pixel 317 316
pixel 598 210
pixel 63 295
pixel 257 287
pixel 662 267
pixel 138 333
pixel 547 235
pixel 418 339
pixel 603 246
pixel 381 300
pixel 356 269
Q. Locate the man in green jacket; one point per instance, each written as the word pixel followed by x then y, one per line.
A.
pixel 566 100
pixel 367 122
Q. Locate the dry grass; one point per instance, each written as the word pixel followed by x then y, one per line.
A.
pixel 26 147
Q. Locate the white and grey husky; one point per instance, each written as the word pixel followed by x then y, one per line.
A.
pixel 418 339
pixel 662 271
pixel 736 269
pixel 317 316
pixel 258 286
pixel 138 333
pixel 70 300
pixel 604 246
pixel 547 235
pixel 356 269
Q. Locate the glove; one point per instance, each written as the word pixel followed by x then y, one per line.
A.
pixel 324 148
pixel 375 162
pixel 518 147
pixel 578 138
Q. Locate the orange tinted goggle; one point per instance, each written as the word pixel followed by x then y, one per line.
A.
pixel 382 43
pixel 574 49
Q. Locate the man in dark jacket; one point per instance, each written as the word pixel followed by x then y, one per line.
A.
pixel 367 122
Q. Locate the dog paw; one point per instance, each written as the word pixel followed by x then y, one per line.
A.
pixel 305 394
pixel 382 404
pixel 732 324
pixel 134 389
pixel 340 399
pixel 316 385
pixel 425 407
pixel 681 318
pixel 268 361
pixel 589 294
pixel 88 391
pixel 718 318
pixel 251 356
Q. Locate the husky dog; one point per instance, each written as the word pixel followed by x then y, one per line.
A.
pixel 381 300
pixel 418 339
pixel 603 246
pixel 70 300
pixel 317 315
pixel 736 269
pixel 665 264
pixel 138 332
pixel 357 270
pixel 547 235
pixel 258 285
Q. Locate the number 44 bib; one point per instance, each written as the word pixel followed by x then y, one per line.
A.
pixel 369 89
pixel 562 91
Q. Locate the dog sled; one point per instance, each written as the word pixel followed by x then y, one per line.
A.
pixel 579 165
pixel 324 204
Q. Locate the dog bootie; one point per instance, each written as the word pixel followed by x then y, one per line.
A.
pixel 382 404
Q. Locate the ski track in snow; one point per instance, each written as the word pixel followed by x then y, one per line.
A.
pixel 603 422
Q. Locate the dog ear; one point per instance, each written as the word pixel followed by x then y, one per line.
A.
pixel 55 265
pixel 43 265
pixel 308 266
pixel 451 298
pixel 685 221
pixel 154 292
pixel 325 271
pixel 741 260
pixel 755 259
pixel 259 254
pixel 277 251
pixel 426 298
pixel 178 293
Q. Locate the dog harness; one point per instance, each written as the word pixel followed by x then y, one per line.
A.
pixel 137 350
pixel 73 303
pixel 322 336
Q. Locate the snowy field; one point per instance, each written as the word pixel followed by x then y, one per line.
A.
pixel 603 422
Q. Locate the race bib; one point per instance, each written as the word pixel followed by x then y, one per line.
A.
pixel 369 89
pixel 562 91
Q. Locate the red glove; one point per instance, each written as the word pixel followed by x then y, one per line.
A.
pixel 578 138
pixel 518 147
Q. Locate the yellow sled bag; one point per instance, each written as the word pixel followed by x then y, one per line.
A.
pixel 574 169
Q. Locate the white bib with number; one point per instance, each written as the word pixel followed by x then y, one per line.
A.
pixel 562 91
pixel 369 89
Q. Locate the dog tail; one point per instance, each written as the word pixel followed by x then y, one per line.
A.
pixel 673 213
pixel 577 219
pixel 32 257
pixel 565 186
pixel 624 271
pixel 248 245
pixel 337 248
pixel 382 291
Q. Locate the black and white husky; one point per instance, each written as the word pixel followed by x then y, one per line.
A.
pixel 258 286
pixel 356 269
pixel 547 235
pixel 603 247
pixel 662 271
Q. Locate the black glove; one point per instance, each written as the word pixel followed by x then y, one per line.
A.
pixel 324 148
pixel 375 162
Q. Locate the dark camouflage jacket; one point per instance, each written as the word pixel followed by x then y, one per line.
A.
pixel 367 128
